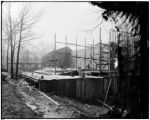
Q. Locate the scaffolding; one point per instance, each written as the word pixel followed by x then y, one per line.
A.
pixel 97 63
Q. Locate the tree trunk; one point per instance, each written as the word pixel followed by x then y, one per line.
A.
pixel 17 62
pixel 12 72
pixel 7 55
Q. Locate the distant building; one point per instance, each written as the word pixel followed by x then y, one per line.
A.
pixel 66 58
pixel 63 58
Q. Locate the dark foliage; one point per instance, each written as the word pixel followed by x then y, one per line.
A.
pixel 139 10
pixel 128 7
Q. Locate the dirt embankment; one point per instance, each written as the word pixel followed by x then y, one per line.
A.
pixel 13 105
pixel 24 101
pixel 68 108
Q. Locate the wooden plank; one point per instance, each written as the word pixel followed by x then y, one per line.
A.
pixel 66 88
pixel 77 88
pixel 42 86
pixel 87 89
pixel 49 98
pixel 12 83
pixel 59 87
pixel 93 88
pixel 74 89
pixel 96 88
pixel 104 104
pixel 82 90
pixel 85 95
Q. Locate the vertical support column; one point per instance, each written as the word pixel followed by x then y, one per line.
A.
pixel 55 54
pixel 85 54
pixel 109 51
pixel 76 52
pixel 66 52
pixel 41 58
pixel 100 53
pixel 36 60
pixel 93 54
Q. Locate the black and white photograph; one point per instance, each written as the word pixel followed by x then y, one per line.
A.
pixel 74 59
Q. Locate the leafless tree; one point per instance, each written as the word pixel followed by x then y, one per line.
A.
pixel 27 21
pixel 9 32
pixel 17 30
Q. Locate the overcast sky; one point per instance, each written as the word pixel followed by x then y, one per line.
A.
pixel 66 18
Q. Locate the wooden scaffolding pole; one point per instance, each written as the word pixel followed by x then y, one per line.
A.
pixel 76 52
pixel 110 80
pixel 93 53
pixel 66 52
pixel 109 51
pixel 100 52
pixel 85 54
pixel 55 54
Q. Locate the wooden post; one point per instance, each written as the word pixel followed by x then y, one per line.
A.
pixel 93 53
pixel 55 54
pixel 100 53
pixel 66 52
pixel 109 53
pixel 107 92
pixel 76 52
pixel 85 54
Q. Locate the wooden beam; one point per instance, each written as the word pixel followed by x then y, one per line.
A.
pixel 49 98
pixel 12 83
pixel 104 104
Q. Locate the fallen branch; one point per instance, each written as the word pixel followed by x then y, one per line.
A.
pixel 104 104
pixel 49 98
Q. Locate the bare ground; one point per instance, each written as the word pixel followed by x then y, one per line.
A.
pixel 13 106
pixel 68 108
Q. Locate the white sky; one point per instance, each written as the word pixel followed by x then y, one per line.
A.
pixel 66 18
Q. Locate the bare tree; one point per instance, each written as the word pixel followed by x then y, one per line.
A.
pixel 25 33
pixel 10 31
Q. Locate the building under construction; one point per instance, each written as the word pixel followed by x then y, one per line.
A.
pixel 101 72
pixel 63 58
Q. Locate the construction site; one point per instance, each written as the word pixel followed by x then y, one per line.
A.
pixel 95 80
